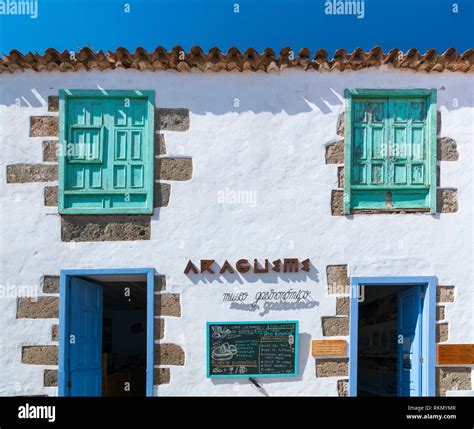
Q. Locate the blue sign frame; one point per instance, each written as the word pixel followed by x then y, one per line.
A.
pixel 237 322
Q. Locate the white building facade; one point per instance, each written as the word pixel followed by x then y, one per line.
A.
pixel 245 162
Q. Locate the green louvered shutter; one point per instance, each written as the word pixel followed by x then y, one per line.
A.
pixel 109 154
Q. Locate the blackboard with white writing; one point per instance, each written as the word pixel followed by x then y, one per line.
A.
pixel 252 349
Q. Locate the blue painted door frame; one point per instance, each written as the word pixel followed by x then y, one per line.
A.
pixel 64 328
pixel 428 346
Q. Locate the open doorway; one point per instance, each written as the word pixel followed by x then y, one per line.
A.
pixel 378 346
pixel 392 337
pixel 104 333
pixel 124 338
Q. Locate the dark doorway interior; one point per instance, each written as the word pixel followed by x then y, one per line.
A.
pixel 123 337
pixel 377 372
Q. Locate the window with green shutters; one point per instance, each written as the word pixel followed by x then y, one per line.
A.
pixel 390 150
pixel 106 158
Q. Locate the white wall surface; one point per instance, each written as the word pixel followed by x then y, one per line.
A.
pixel 272 144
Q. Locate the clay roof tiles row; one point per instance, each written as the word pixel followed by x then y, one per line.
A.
pixel 216 60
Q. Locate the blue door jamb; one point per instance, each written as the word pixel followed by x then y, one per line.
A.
pixel 63 356
pixel 428 284
pixel 410 325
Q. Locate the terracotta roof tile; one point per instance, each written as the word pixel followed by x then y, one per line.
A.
pixel 216 60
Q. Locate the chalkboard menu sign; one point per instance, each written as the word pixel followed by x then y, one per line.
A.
pixel 251 349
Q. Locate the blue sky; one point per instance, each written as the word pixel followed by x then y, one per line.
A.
pixel 106 25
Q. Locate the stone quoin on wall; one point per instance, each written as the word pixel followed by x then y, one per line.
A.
pixel 166 305
pixel 336 326
pixel 166 355
pixel 448 377
pixel 446 198
pixel 45 306
pixel 83 228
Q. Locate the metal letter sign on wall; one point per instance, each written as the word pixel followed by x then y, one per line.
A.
pixel 242 266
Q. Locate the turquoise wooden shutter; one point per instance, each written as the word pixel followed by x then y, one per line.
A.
pixel 128 152
pixel 108 167
pixel 370 153
pixel 408 153
pixel 84 154
pixel 390 149
pixel 370 149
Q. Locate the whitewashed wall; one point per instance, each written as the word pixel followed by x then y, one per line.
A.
pixel 271 144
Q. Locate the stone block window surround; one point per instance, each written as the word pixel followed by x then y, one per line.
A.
pixel 95 226
pixel 106 141
pixel 390 150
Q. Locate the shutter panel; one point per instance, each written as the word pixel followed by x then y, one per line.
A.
pixel 84 172
pixel 400 112
pixel 407 142
pixel 129 153
pixel 360 163
pixel 109 155
pixel 408 152
pixel 369 153
pixel 377 141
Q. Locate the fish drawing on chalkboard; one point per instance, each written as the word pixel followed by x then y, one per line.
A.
pixel 224 352
pixel 219 332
